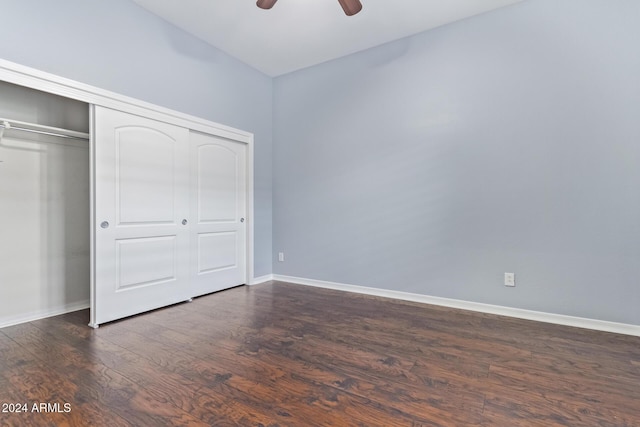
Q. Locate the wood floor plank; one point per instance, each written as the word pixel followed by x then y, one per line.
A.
pixel 18 411
pixel 593 394
pixel 208 404
pixel 279 354
pixel 261 361
pixel 524 408
pixel 66 369
pixel 263 383
pixel 40 382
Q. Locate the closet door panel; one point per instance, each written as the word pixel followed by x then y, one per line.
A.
pixel 145 262
pixel 141 208
pixel 145 178
pixel 218 183
pixel 217 251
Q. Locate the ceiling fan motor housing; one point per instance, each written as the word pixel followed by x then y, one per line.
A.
pixel 350 7
pixel 266 4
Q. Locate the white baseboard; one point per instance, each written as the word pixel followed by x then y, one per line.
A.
pixel 262 279
pixel 41 314
pixel 559 319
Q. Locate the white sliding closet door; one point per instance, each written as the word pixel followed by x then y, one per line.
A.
pixel 218 206
pixel 141 170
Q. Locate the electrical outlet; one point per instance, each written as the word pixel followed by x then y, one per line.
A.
pixel 510 279
pixel 281 256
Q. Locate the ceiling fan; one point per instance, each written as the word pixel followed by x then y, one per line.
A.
pixel 350 7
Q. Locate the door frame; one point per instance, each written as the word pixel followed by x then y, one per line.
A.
pixel 21 75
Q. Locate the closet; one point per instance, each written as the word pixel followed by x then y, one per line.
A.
pixel 171 211
pixel 44 204
pixel 115 204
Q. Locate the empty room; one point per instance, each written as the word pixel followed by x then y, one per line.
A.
pixel 320 213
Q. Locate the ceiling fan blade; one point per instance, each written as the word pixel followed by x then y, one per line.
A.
pixel 350 7
pixel 265 4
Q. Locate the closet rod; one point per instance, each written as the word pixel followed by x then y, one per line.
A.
pixel 6 124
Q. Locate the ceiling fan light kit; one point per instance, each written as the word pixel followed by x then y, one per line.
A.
pixel 350 7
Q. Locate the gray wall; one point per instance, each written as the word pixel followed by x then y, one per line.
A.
pixel 505 142
pixel 118 46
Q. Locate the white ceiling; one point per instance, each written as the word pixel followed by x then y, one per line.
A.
pixel 299 33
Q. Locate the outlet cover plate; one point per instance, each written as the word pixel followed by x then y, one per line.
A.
pixel 510 279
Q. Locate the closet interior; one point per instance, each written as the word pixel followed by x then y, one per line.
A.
pixel 44 204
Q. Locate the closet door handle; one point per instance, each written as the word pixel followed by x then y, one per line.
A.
pixel 104 224
pixel 241 219
pixel 184 222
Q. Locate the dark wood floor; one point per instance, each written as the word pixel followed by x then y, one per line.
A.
pixel 285 355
